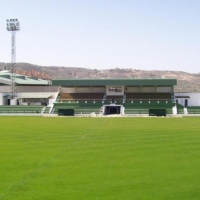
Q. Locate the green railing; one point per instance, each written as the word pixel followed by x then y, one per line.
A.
pixel 193 110
pixel 21 109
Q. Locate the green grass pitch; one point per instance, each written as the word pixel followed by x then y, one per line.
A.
pixel 99 158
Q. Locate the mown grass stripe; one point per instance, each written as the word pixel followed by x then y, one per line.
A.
pixel 120 158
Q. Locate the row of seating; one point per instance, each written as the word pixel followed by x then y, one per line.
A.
pixel 100 104
pixel 114 97
pixel 149 106
pixel 138 101
pixel 118 101
pixel 20 109
pixel 132 108
pixel 180 108
pixel 100 96
pixel 154 96
pixel 81 96
pixel 47 109
pixel 143 111
pixel 127 111
pixel 194 110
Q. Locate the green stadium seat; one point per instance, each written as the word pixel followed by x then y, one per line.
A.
pixel 20 109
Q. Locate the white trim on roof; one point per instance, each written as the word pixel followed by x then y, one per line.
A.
pixel 34 96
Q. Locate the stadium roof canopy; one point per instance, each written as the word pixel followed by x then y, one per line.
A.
pixel 5 79
pixel 117 82
pixel 38 95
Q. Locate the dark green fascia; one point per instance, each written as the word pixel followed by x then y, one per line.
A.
pixel 117 82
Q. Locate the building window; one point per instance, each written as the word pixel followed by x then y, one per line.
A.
pixel 115 89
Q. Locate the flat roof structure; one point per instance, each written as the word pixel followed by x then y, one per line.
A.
pixel 5 78
pixel 108 82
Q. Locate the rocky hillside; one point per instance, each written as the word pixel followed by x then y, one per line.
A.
pixel 187 82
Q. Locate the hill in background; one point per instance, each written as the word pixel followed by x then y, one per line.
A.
pixel 187 82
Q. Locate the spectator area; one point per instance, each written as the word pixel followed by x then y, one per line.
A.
pixel 193 109
pixel 143 108
pixel 147 96
pixel 79 108
pixel 81 96
pixel 21 109
pixel 47 109
pixel 180 109
pixel 113 99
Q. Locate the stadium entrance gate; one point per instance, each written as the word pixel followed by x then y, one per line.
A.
pixel 112 109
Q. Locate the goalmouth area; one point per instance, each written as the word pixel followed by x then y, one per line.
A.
pixel 99 158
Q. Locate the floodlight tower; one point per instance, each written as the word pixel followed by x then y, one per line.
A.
pixel 13 26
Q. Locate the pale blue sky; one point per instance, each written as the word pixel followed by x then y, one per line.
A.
pixel 102 34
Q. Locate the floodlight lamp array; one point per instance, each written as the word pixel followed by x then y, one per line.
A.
pixel 13 25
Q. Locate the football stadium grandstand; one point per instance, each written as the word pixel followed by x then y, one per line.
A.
pixel 38 94
pixel 115 97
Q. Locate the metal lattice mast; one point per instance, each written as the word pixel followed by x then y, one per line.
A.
pixel 13 26
pixel 13 60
